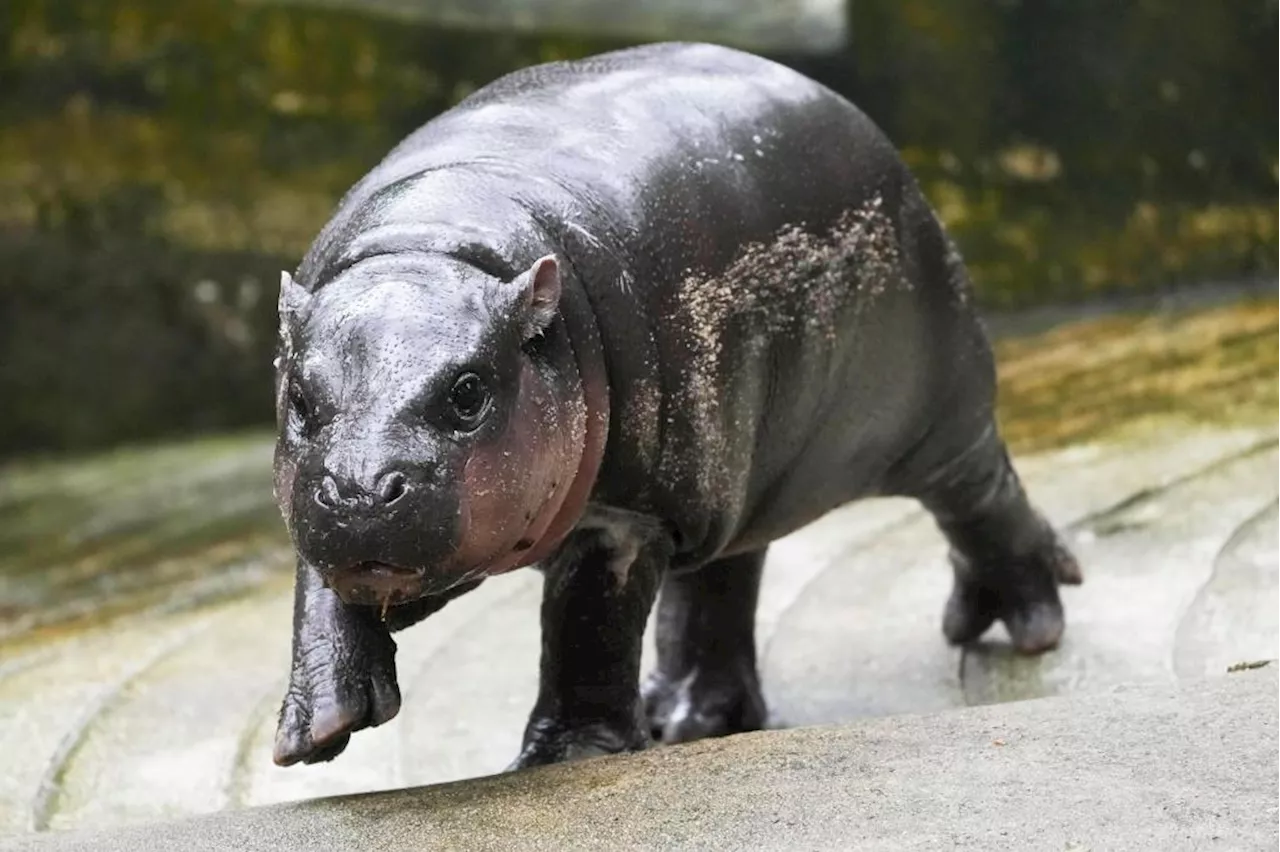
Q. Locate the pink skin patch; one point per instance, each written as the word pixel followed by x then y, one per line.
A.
pixel 514 490
pixel 595 405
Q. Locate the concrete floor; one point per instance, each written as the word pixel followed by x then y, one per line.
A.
pixel 1148 769
pixel 166 709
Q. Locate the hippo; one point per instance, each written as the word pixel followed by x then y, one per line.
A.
pixel 627 320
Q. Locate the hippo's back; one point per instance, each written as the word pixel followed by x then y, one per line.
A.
pixel 631 136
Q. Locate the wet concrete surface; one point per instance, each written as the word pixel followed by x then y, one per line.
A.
pixel 83 540
pixel 144 627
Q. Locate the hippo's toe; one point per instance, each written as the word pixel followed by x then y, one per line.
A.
pixel 705 703
pixel 339 685
pixel 1022 594
pixel 553 741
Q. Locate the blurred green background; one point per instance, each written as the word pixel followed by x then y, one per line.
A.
pixel 161 161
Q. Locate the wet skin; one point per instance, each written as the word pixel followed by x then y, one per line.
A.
pixel 628 320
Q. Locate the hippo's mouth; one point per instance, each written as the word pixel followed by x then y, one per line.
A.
pixel 378 583
pixel 383 584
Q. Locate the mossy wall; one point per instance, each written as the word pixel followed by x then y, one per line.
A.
pixel 160 162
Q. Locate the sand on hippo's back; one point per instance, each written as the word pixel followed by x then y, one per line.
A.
pixel 800 282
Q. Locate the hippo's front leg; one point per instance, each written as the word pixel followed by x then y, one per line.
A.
pixel 598 594
pixel 343 676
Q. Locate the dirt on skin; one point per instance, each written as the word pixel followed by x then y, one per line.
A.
pixel 800 282
pixel 640 411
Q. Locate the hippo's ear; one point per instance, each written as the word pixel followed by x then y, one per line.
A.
pixel 541 297
pixel 293 296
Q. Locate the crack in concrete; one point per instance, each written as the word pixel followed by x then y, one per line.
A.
pixel 1153 492
pixel 239 777
pixel 49 791
pixel 1221 563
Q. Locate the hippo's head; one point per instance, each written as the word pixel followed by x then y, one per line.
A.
pixel 431 425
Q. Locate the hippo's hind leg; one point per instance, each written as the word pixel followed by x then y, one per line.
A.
pixel 1007 558
pixel 705 683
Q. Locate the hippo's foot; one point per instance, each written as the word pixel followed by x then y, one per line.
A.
pixel 1020 591
pixel 343 680
pixel 704 703
pixel 549 741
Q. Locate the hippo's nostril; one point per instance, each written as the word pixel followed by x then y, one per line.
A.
pixel 327 495
pixel 391 487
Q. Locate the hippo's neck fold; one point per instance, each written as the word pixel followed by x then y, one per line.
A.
pixel 588 351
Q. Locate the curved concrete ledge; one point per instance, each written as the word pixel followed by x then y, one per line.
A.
pixel 1151 768
pixel 144 644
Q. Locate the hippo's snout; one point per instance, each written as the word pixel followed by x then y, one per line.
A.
pixel 377 533
pixel 368 511
pixel 332 497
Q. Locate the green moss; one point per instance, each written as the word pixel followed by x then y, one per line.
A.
pixel 160 162
pixel 91 536
pixel 1089 379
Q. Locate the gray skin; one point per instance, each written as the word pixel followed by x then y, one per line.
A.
pixel 628 319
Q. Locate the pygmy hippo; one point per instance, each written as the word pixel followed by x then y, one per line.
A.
pixel 628 319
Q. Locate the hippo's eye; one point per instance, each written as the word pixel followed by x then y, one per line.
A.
pixel 470 400
pixel 298 405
